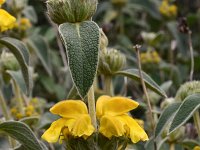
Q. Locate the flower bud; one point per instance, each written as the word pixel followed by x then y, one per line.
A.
pixel 18 5
pixel 167 102
pixel 111 61
pixel 174 136
pixel 187 89
pixel 9 62
pixel 61 11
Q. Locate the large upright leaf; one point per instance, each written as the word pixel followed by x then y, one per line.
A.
pixel 165 117
pixel 22 55
pixel 81 41
pixel 150 83
pixel 185 111
pixel 38 44
pixel 22 133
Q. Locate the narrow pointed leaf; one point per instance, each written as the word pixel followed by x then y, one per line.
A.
pixel 22 55
pixel 40 47
pixel 165 117
pixel 150 83
pixel 22 133
pixel 185 111
pixel 81 41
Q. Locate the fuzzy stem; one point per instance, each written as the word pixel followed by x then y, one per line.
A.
pixel 137 47
pixel 91 105
pixel 197 122
pixel 191 54
pixel 7 116
pixel 172 146
pixel 4 107
pixel 196 114
pixel 108 87
pixel 18 98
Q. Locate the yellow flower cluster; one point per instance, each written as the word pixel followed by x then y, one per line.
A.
pixel 29 111
pixel 112 113
pixel 23 24
pixel 150 57
pixel 7 21
pixel 168 10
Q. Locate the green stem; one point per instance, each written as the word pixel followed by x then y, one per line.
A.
pixel 108 87
pixel 172 146
pixel 7 116
pixel 91 105
pixel 4 107
pixel 196 115
pixel 150 114
pixel 197 122
pixel 191 55
pixel 18 97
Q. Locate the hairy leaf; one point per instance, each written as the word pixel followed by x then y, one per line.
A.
pixel 81 41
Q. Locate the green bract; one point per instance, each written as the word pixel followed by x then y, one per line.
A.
pixel 187 89
pixel 62 11
pixel 111 61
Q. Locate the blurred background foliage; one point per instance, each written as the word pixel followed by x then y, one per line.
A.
pixel 129 22
pixel 154 24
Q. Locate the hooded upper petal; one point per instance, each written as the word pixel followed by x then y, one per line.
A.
pixel 100 104
pixel 111 126
pixel 7 21
pixel 69 108
pixel 1 2
pixel 135 131
pixel 114 106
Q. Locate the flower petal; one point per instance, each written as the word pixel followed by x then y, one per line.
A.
pixel 136 133
pixel 100 103
pixel 118 106
pixel 69 108
pixel 1 2
pixel 82 126
pixel 53 133
pixel 7 21
pixel 111 126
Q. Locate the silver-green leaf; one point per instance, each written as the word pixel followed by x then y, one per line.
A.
pixel 22 133
pixel 81 41
pixel 165 117
pixel 22 55
pixel 150 83
pixel 185 111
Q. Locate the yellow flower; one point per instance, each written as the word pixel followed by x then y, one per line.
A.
pixel 115 121
pixel 7 21
pixel 196 148
pixel 23 24
pixel 150 57
pixel 1 2
pixel 168 10
pixel 75 119
pixel 19 116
